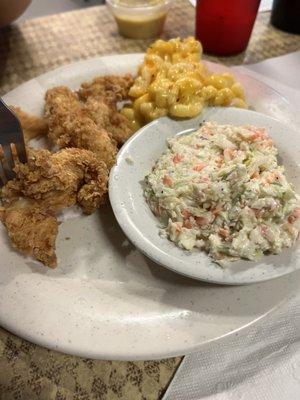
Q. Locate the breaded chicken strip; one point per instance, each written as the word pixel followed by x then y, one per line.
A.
pixel 59 180
pixel 32 126
pixel 104 116
pixel 32 231
pixel 61 105
pixel 101 97
pixel 109 89
pixel 71 125
pixel 42 187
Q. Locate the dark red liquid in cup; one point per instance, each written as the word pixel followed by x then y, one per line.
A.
pixel 224 26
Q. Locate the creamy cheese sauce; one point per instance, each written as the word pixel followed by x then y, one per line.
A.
pixel 221 189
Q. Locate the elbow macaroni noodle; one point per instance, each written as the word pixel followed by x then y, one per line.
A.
pixel 173 81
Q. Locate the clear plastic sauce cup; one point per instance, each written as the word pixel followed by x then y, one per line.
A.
pixel 139 19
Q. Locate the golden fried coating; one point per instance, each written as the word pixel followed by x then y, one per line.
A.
pixel 32 126
pixel 71 125
pixel 42 187
pixel 101 97
pixel 106 117
pixel 109 89
pixel 32 230
pixel 61 104
pixel 87 127
pixel 59 180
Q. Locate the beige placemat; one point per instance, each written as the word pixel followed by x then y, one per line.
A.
pixel 39 45
pixel 27 371
pixel 30 372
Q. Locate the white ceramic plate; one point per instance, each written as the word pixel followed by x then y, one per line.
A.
pixel 142 227
pixel 105 299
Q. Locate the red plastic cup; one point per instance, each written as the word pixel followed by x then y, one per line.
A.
pixel 224 26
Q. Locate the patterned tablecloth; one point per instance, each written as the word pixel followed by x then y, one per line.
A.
pixel 27 371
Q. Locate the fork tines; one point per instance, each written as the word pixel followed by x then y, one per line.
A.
pixel 8 157
pixel 12 143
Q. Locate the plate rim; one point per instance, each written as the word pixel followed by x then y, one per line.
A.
pixel 74 351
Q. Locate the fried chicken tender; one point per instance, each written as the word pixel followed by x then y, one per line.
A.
pixel 60 180
pixel 32 230
pixel 42 187
pixel 32 126
pixel 87 127
pixel 71 125
pixel 101 97
pixel 106 117
pixel 110 89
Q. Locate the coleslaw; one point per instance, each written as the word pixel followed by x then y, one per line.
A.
pixel 221 189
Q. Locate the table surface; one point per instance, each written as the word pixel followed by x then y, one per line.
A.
pixel 28 49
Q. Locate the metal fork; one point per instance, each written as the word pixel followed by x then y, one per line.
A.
pixel 12 143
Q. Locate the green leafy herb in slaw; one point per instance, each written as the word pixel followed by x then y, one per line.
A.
pixel 221 189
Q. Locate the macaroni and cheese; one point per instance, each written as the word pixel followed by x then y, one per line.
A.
pixel 173 81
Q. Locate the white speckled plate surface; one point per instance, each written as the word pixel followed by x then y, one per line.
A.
pixel 142 227
pixel 107 300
